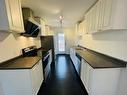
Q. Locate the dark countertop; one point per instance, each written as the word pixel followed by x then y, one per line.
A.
pixel 20 63
pixel 42 52
pixel 97 60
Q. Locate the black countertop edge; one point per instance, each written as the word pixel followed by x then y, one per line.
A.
pixel 121 65
pixel 102 54
pixel 7 62
pixel 43 49
pixel 96 67
pixel 22 68
pixel 17 68
pixel 107 67
pixel 34 64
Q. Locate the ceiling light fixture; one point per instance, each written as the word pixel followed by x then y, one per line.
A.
pixel 61 17
pixel 61 20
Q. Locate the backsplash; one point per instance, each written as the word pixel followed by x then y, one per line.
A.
pixel 112 43
pixel 11 45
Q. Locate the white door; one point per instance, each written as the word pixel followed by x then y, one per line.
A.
pixel 61 43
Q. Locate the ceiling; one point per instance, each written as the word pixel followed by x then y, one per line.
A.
pixel 71 10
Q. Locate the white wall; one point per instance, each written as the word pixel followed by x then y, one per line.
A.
pixel 112 43
pixel 11 45
pixel 69 37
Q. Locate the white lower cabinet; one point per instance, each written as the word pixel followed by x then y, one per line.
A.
pixel 85 74
pixel 37 77
pixel 73 56
pixel 21 81
pixel 75 60
pixel 101 81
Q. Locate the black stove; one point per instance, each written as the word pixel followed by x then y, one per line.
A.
pixel 29 51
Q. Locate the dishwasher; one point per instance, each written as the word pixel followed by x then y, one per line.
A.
pixel 78 63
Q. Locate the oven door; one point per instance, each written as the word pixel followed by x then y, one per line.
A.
pixel 46 65
pixel 78 64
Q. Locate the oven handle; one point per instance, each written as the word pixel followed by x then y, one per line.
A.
pixel 45 57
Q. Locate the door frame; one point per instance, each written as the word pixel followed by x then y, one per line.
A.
pixel 61 52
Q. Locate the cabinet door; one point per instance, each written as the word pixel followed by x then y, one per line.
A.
pixel 100 17
pixel 85 27
pixel 43 31
pixel 97 8
pixel 107 14
pixel 89 72
pixel 83 72
pixel 14 13
pixel 86 72
pixel 37 77
pixel 81 28
pixel 74 56
pixel 15 82
pixel 34 79
pixel 71 54
pixel 94 18
pixel 81 31
pixel 88 22
pixel 104 81
pixel 40 74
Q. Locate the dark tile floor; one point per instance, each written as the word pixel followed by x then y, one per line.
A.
pixel 62 79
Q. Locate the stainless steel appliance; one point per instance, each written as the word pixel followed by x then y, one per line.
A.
pixel 46 58
pixel 47 43
pixel 78 63
pixel 46 64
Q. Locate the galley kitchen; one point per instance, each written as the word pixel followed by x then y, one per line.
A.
pixel 63 47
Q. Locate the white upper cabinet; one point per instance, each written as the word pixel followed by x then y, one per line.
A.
pixel 87 18
pixel 107 15
pixel 116 14
pixel 45 29
pixel 11 16
pixel 101 7
pixel 82 28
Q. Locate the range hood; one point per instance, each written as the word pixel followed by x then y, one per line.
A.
pixel 32 28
